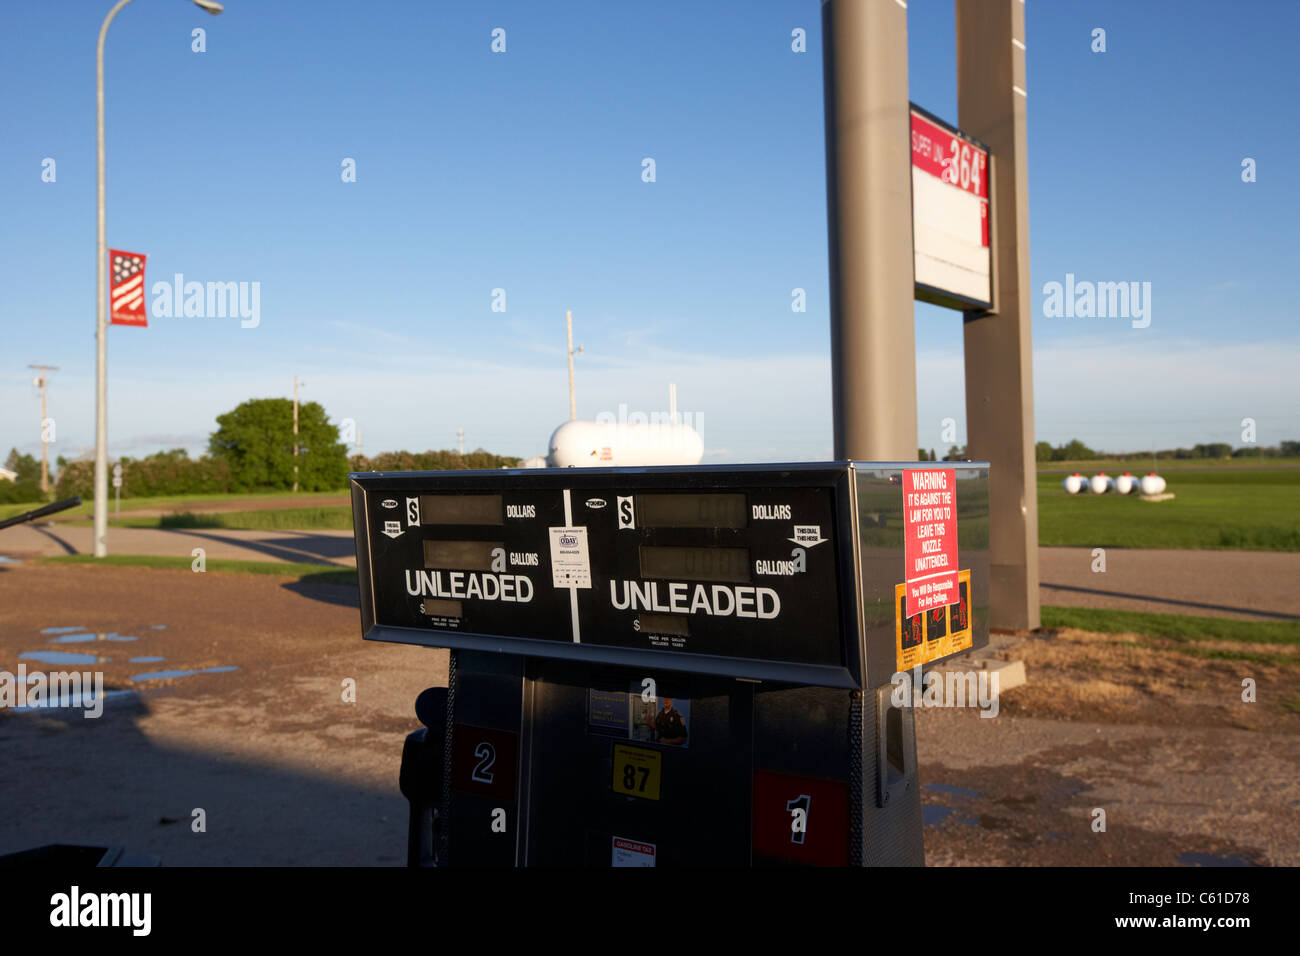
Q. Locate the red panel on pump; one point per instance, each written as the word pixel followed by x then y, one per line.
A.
pixel 801 819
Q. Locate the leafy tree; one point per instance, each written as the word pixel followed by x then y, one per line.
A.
pixel 28 468
pixel 955 453
pixel 1291 449
pixel 26 490
pixel 1213 450
pixel 1043 451
pixel 256 441
pixel 1074 450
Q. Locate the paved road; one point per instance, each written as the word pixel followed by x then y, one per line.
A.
pixel 312 547
pixel 1248 585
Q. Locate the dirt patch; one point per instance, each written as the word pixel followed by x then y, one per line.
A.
pixel 1125 731
pixel 1129 678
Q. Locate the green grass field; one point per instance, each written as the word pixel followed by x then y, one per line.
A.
pixel 1114 466
pixel 1188 634
pixel 1231 505
pixel 288 519
pixel 318 573
pixel 1232 509
pixel 179 502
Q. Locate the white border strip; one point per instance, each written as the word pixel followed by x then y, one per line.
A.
pixel 573 592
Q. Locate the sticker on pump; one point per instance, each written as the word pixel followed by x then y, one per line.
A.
pixel 627 852
pixel 570 564
pixel 637 772
pixel 920 638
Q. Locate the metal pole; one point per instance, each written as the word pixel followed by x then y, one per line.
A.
pixel 991 106
pixel 45 444
pixel 101 326
pixel 295 434
pixel 869 217
pixel 573 401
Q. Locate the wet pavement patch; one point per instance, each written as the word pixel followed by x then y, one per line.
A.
pixel 1213 859
pixel 88 638
pixel 62 630
pixel 58 657
pixel 169 675
pixel 147 660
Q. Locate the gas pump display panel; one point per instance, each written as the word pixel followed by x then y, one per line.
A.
pixel 744 572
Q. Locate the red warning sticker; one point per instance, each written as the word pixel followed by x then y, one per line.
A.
pixel 930 537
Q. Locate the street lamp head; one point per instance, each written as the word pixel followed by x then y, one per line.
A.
pixel 209 5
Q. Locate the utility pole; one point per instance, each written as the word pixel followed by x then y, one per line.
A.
pixel 573 401
pixel 295 433
pixel 460 437
pixel 42 381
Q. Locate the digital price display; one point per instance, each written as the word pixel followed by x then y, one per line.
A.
pixel 461 509
pixel 696 564
pixel 462 555
pixel 692 511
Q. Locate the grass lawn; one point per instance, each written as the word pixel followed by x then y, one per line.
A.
pixel 276 519
pixel 180 502
pixel 1237 509
pixel 1143 465
pixel 1203 637
pixel 318 573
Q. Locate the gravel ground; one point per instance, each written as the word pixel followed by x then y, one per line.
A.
pixel 288 773
pixel 1185 770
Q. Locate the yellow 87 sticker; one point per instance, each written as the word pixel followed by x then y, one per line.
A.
pixel 637 772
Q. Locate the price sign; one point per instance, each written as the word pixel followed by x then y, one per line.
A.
pixel 637 772
pixel 950 215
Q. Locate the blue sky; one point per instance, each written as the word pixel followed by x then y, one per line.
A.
pixel 522 171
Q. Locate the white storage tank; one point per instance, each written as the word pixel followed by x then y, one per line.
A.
pixel 579 444
pixel 1152 484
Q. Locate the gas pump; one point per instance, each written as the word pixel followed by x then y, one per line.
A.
pixel 672 666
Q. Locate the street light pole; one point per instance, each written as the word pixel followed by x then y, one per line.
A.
pixel 295 433
pixel 101 325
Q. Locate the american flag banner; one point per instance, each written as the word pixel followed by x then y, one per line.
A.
pixel 126 288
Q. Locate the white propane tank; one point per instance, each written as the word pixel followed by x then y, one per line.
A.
pixel 1099 483
pixel 579 444
pixel 1152 484
pixel 1125 483
pixel 1073 484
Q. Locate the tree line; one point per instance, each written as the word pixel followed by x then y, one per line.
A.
pixel 251 450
